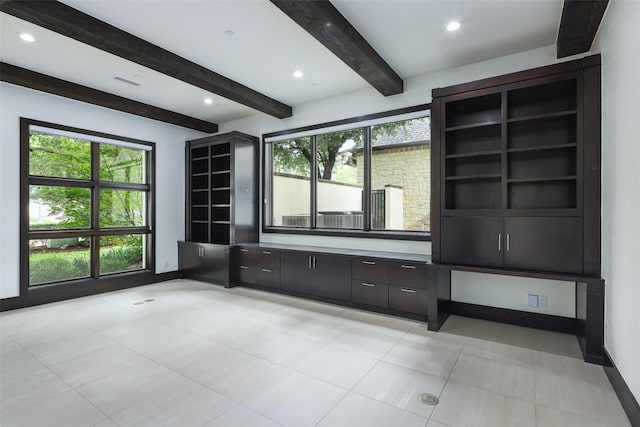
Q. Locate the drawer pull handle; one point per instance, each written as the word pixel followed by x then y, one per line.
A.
pixel 408 267
pixel 369 262
pixel 244 250
pixel 266 270
pixel 369 285
pixel 411 291
pixel 244 267
pixel 266 252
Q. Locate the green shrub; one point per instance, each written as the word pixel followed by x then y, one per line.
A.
pixel 57 267
pixel 120 258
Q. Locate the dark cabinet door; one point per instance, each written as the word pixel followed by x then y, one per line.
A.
pixel 332 274
pixel 472 240
pixel 214 263
pixel 189 258
pixel 205 261
pixel 543 243
pixel 296 272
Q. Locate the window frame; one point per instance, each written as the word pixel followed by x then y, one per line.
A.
pixel 95 281
pixel 367 231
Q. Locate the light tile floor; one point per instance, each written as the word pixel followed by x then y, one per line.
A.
pixel 194 354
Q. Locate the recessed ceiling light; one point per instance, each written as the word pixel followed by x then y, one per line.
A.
pixel 453 26
pixel 208 101
pixel 314 84
pixel 298 74
pixel 27 37
pixel 229 32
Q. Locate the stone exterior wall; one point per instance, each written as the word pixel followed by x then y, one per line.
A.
pixel 409 168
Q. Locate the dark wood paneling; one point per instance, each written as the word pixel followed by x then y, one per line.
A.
pixel 515 317
pixel 65 20
pixel 628 401
pixel 42 82
pixel 327 25
pixel 592 169
pixel 578 25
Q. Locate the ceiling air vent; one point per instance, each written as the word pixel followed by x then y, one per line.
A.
pixel 127 81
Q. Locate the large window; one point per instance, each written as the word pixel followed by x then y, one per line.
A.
pixel 368 180
pixel 88 201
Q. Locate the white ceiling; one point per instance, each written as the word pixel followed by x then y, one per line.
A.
pixel 267 46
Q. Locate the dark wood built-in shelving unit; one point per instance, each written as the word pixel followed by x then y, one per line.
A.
pixel 221 203
pixel 516 181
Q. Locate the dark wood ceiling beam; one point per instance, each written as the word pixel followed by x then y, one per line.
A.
pixel 75 24
pixel 42 82
pixel 579 25
pixel 327 25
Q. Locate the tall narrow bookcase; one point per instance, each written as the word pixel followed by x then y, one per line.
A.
pixel 221 203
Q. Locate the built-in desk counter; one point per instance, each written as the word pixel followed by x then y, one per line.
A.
pixel 408 285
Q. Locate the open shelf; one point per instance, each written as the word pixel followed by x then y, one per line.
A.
pixel 542 147
pixel 473 140
pixel 200 153
pixel 558 130
pixel 543 179
pixel 473 194
pixel 543 116
pixel 220 181
pixel 542 194
pixel 473 125
pixel 221 149
pixel 554 97
pixel 474 177
pixel 479 111
pixel 474 154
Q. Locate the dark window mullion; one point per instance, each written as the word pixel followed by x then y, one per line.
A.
pixel 118 231
pixel 149 158
pixel 313 216
pixel 366 202
pixel 95 210
pixel 60 182
pixel 124 186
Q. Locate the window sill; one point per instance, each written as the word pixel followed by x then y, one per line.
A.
pixel 421 236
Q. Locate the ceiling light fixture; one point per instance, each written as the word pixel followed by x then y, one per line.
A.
pixel 27 37
pixel 453 26
pixel 229 32
pixel 298 74
pixel 208 101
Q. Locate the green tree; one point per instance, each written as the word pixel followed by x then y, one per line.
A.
pixel 295 154
pixel 70 158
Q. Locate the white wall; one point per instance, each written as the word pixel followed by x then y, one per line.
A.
pixel 618 42
pixel 417 91
pixel 16 102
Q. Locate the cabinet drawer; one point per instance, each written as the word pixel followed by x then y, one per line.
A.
pixel 370 270
pixel 269 258
pixel 247 256
pixel 370 293
pixel 268 277
pixel 407 299
pixel 246 274
pixel 411 274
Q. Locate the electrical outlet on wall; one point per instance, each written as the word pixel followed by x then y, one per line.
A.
pixel 532 300
pixel 542 301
